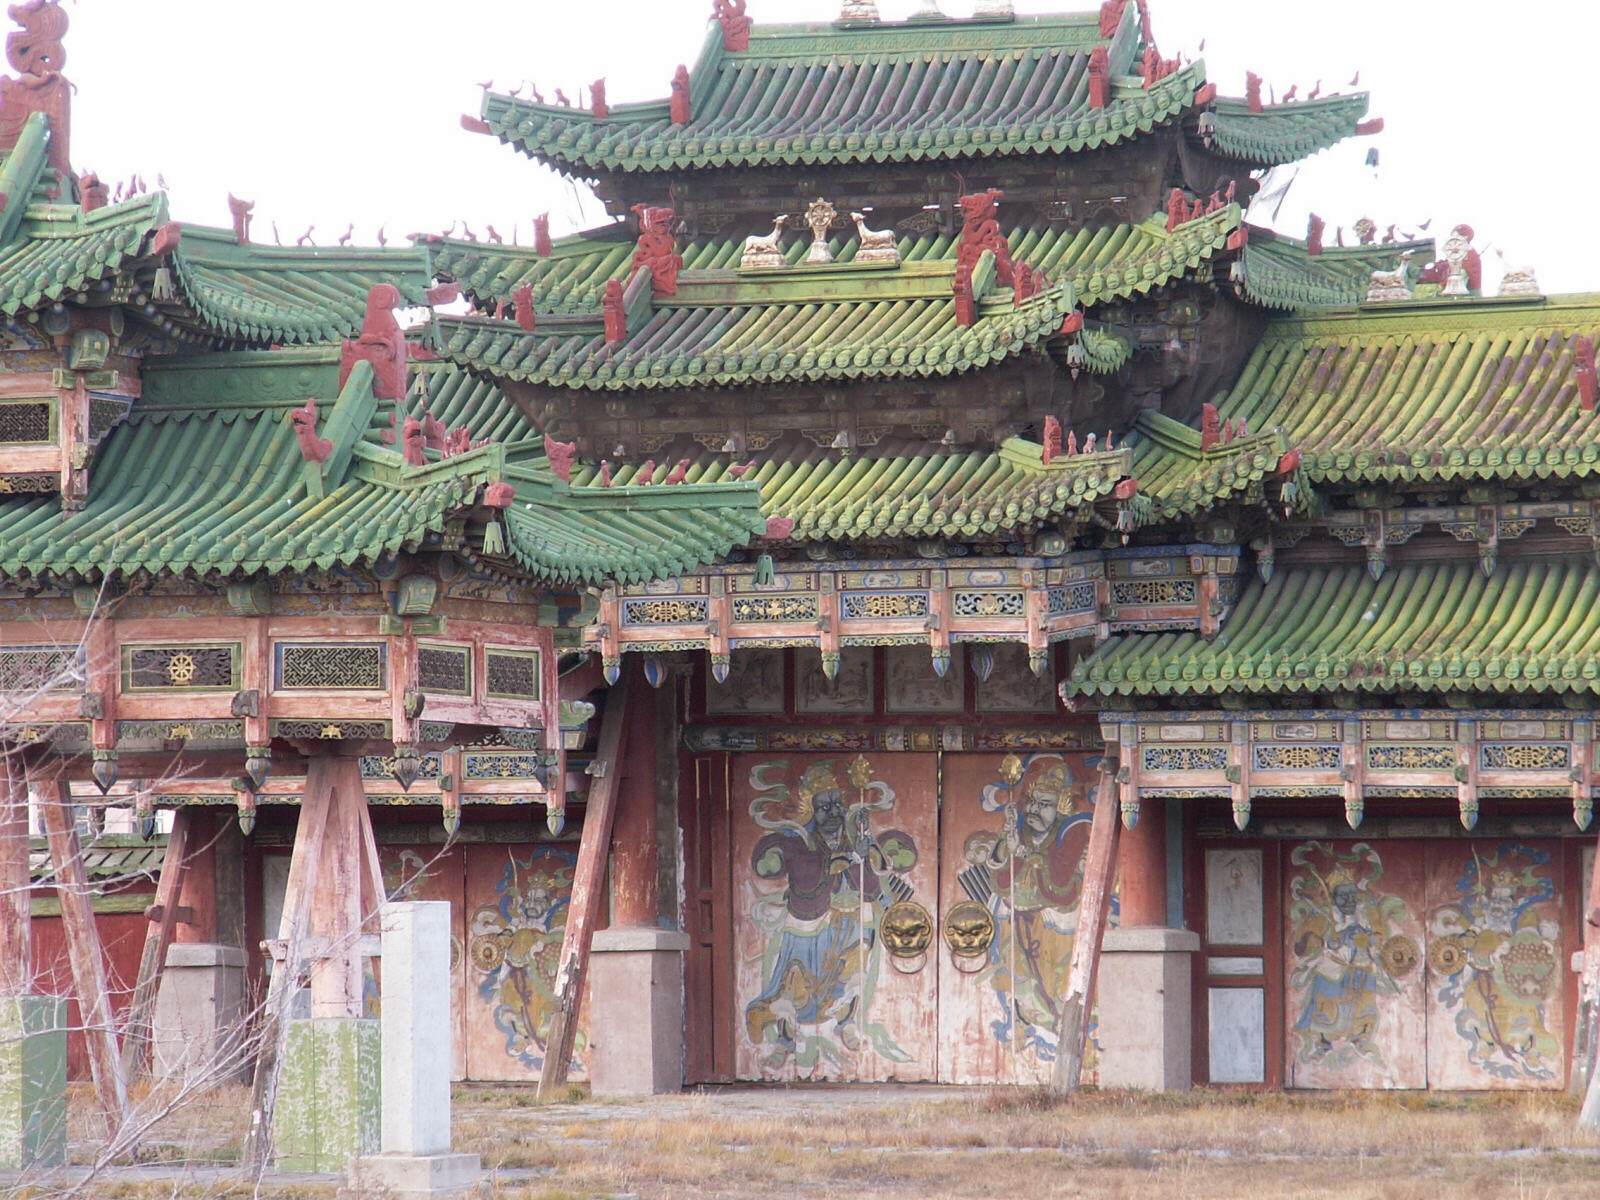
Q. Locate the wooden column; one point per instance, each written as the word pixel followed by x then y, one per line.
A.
pixel 83 950
pixel 197 895
pixel 588 884
pixel 16 905
pixel 1142 863
pixel 635 898
pixel 163 921
pixel 1589 1000
pixel 1099 864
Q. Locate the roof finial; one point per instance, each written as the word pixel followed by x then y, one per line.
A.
pixel 735 25
pixel 35 52
pixel 859 10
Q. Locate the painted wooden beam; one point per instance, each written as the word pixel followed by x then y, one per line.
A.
pixel 1099 869
pixel 16 933
pixel 1589 1001
pixel 83 951
pixel 588 884
pixel 163 920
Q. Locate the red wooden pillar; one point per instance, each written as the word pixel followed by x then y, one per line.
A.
pixel 336 915
pixel 197 898
pixel 16 930
pixel 1142 861
pixel 635 890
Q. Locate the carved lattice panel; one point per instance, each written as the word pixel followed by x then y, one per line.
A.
pixel 445 669
pixel 180 667
pixel 27 421
pixel 36 668
pixel 331 666
pixel 512 673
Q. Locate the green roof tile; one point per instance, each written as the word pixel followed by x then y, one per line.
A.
pixel 1284 133
pixel 1279 273
pixel 1179 480
pixel 1531 626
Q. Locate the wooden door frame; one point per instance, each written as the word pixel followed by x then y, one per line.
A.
pixel 708 976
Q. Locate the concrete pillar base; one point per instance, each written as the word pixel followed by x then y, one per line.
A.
pixel 1146 1028
pixel 329 1108
pixel 199 1011
pixel 33 1082
pixel 636 1011
pixel 415 1176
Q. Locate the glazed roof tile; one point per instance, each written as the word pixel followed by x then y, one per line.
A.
pixel 917 91
pixel 1531 626
pixel 729 327
pixel 1179 479
pixel 1439 390
pixel 900 491
pixel 1279 273
pixel 1284 133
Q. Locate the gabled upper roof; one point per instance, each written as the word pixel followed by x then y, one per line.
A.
pixel 881 92
pixel 1436 390
pixel 1280 271
pixel 1285 133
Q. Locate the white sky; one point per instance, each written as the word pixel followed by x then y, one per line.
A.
pixel 331 111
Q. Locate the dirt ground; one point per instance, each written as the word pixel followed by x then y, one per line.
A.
pixel 910 1143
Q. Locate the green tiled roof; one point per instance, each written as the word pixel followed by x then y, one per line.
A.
pixel 1284 133
pixel 21 171
pixel 728 327
pixel 1102 264
pixel 1279 273
pixel 917 91
pixel 1531 626
pixel 1178 479
pixel 59 251
pixel 1438 390
pixel 898 492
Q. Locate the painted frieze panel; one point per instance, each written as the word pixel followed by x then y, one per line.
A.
pixel 436 873
pixel 915 687
pixel 1354 979
pixel 516 912
pixel 1014 828
pixel 754 684
pixel 834 894
pixel 1012 687
pixel 1495 965
pixel 849 691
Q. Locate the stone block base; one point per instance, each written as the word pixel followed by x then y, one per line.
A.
pixel 33 1081
pixel 416 1177
pixel 328 1108
pixel 1146 1027
pixel 636 1011
pixel 199 1010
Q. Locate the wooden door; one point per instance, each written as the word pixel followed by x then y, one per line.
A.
pixel 516 910
pixel 708 966
pixel 1239 965
pixel 1353 943
pixel 1494 964
pixel 1013 832
pixel 835 882
pixel 428 872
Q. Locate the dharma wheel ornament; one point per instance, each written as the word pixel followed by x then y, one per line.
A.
pixel 820 218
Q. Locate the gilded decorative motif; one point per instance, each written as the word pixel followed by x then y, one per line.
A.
pixel 883 606
pixel 1185 758
pixel 381 766
pixel 36 484
pixel 340 666
pixel 775 608
pixel 969 932
pixel 1502 756
pixel 989 604
pixel 1411 758
pixel 502 766
pixel 157 732
pixel 1297 758
pixel 1061 601
pixel 330 730
pixel 181 668
pixel 907 932
pixel 689 611
pixel 1148 593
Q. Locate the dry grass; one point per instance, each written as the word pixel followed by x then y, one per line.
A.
pixel 910 1144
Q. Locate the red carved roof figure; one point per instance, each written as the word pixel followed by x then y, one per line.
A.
pixel 560 455
pixel 241 210
pixel 94 193
pixel 980 231
pixel 304 420
pixel 522 303
pixel 1153 68
pixel 1099 77
pixel 1177 209
pixel 615 315
pixel 735 25
pixel 541 235
pixel 433 432
pixel 1252 91
pixel 779 528
pixel 1210 426
pixel 1052 440
pixel 679 104
pixel 382 343
pixel 499 495
pixel 680 472
pixel 657 249
pixel 1072 443
pixel 35 52
pixel 1027 285
pixel 459 441
pixel 1588 380
pixel 412 443
pixel 1314 230
pixel 966 307
pixel 1111 16
pixel 597 99
pixel 443 293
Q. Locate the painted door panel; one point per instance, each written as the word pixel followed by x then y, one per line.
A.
pixel 1014 829
pixel 1237 969
pixel 1353 938
pixel 1496 983
pixel 435 873
pixel 516 911
pixel 834 886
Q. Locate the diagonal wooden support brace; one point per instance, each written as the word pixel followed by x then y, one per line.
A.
pixel 163 916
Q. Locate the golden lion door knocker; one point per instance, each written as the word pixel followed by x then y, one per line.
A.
pixel 969 932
